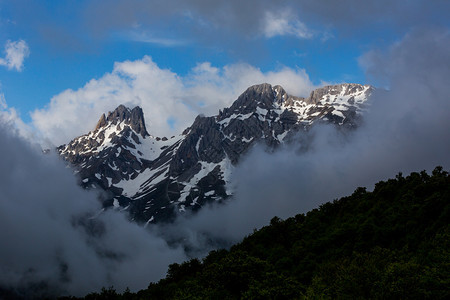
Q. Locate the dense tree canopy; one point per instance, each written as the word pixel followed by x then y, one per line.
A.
pixel 390 243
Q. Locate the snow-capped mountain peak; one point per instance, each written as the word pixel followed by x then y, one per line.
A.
pixel 119 148
pixel 156 178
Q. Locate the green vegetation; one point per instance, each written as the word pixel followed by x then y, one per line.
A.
pixel 390 243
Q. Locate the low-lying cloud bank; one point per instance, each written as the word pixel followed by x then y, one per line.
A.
pixel 51 245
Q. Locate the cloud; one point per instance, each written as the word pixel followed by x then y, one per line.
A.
pixel 264 17
pixel 145 37
pixel 284 23
pixel 16 52
pixel 170 101
pixel 237 28
pixel 390 64
pixel 10 117
pixel 406 129
pixel 52 242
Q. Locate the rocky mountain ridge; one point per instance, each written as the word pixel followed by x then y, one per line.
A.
pixel 156 178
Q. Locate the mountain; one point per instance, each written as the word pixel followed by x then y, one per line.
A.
pixel 155 178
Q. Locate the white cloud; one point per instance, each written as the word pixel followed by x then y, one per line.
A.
pixel 285 23
pixel 162 94
pixel 145 37
pixel 16 52
pixel 10 117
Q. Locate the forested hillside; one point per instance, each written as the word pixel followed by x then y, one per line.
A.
pixel 390 243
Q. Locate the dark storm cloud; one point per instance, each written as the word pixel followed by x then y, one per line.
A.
pixel 207 15
pixel 248 17
pixel 237 30
pixel 51 241
pixel 82 25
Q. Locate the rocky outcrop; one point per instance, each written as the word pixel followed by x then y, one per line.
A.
pixel 134 118
pixel 330 91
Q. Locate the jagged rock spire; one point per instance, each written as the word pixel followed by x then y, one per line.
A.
pixel 134 118
pixel 137 122
pixel 101 122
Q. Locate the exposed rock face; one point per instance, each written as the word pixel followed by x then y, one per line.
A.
pixel 101 123
pixel 331 92
pixel 154 178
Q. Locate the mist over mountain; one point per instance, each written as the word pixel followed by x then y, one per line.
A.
pixel 55 241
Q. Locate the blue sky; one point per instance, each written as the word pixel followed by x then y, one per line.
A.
pixel 69 43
